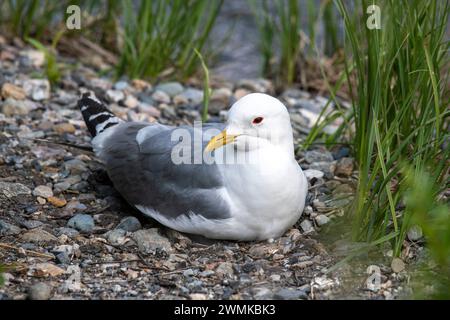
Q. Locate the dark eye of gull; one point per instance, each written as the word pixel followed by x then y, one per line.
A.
pixel 257 120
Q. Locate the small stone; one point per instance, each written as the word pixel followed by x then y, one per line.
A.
pixel 308 210
pixel 170 88
pixel 76 206
pixel 168 111
pixel 313 156
pixel 397 265
pixel 322 219
pixel 161 96
pixel 307 226
pixel 57 202
pixel 318 204
pixel 75 166
pixel 73 283
pixel 37 236
pixel 115 95
pixel 341 153
pixel 11 107
pixel 67 231
pixel 46 269
pixel 40 291
pixel 62 128
pixel 82 222
pixel 37 89
pixel 312 173
pixel 141 84
pixel 225 269
pixel 295 93
pixel 149 109
pixel 220 100
pixel 343 189
pixel 275 277
pixel 300 121
pixel 13 189
pixel 239 93
pixel 290 294
pixel 41 200
pixel 327 168
pixel 131 102
pixel 66 248
pixel 11 91
pixel 31 224
pixel 198 296
pixel 130 224
pixel 415 233
pixel 63 258
pixel 121 85
pixel 259 251
pixel 256 85
pixel 43 191
pixel 7 278
pixel 149 241
pixel 189 96
pixel 206 273
pixel 36 57
pixel 344 167
pixel 116 237
pixel 188 273
pixel 8 229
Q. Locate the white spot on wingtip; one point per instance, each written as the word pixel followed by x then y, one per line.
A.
pixel 99 114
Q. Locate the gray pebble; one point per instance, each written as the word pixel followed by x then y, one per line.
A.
pixel 130 224
pixel 67 231
pixel 8 229
pixel 170 88
pixel 115 95
pixel 11 107
pixel 121 85
pixel 415 233
pixel 290 294
pixel 307 226
pixel 13 189
pixel 75 166
pixel 37 89
pixel 313 156
pixel 116 237
pixel 312 173
pixel 40 291
pixel 43 191
pixel 322 219
pixel 82 222
pixel 63 258
pixel 149 241
pixel 193 96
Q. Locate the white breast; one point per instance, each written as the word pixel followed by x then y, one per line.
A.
pixel 268 196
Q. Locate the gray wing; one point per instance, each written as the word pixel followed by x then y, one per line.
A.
pixel 140 167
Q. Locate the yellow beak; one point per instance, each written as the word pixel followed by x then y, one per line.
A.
pixel 219 141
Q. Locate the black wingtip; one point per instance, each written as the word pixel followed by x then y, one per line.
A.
pixel 95 114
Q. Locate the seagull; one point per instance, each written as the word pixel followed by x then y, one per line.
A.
pixel 233 181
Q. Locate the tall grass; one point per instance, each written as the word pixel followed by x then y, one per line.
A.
pixel 52 70
pixel 30 18
pixel 433 216
pixel 206 86
pixel 400 109
pixel 161 35
pixel 285 46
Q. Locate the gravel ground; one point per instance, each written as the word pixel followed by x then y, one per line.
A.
pixel 65 233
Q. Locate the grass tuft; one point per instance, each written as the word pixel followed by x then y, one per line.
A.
pixel 161 35
pixel 206 86
pixel 399 89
